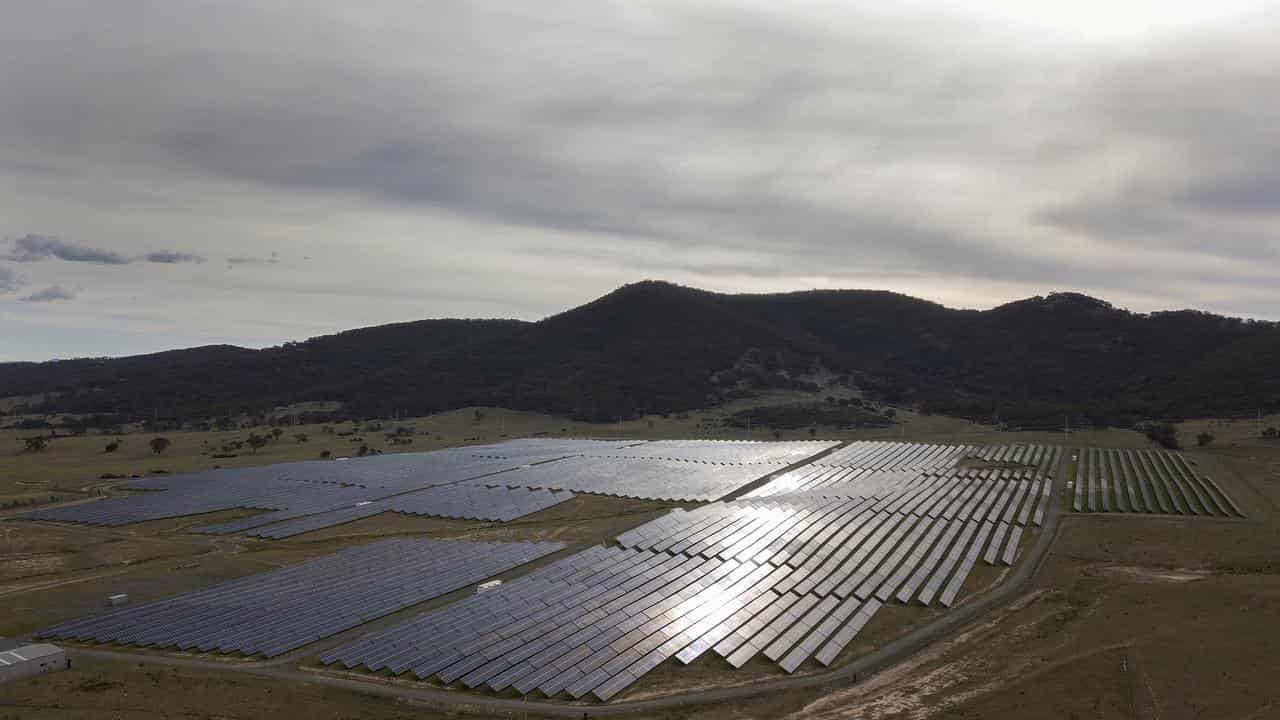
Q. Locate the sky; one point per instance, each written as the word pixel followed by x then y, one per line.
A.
pixel 179 174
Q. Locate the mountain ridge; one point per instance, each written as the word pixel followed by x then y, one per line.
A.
pixel 652 346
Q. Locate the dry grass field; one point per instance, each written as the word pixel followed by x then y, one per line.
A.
pixel 1131 617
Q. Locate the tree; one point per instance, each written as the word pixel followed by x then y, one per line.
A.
pixel 301 437
pixel 1163 434
pixel 813 431
pixel 479 415
pixel 276 433
pixel 1204 438
pixel 257 441
pixel 112 446
pixel 890 413
pixel 1271 433
pixel 35 444
pixel 159 444
pixel 325 454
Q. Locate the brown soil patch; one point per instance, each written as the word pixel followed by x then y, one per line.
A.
pixel 1129 573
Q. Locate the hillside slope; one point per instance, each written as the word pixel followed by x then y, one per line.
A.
pixel 656 347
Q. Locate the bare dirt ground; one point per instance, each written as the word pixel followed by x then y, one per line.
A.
pixel 96 689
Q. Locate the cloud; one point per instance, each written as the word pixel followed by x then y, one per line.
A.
pixel 775 143
pixel 50 294
pixel 32 248
pixel 473 151
pixel 10 280
pixel 271 259
pixel 170 257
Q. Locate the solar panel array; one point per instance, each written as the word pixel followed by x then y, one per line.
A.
pixel 290 489
pixel 278 611
pixel 684 470
pixel 1145 481
pixel 889 455
pixel 788 576
pixel 792 571
pixel 872 467
pixel 591 623
pixel 890 545
pixel 307 492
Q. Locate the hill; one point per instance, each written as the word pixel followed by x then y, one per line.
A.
pixel 657 347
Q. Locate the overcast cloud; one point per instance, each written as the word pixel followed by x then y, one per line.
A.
pixel 32 248
pixel 49 294
pixel 9 280
pixel 346 164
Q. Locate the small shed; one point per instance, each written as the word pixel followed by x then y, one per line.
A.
pixel 30 660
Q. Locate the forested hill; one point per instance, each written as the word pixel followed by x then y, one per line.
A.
pixel 656 347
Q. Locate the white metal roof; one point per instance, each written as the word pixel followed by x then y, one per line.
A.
pixel 28 652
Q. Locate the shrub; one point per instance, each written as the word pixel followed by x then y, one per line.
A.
pixel 1163 434
pixel 257 441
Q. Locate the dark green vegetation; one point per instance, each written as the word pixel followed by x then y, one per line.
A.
pixel 654 348
pixel 1164 434
pixel 790 417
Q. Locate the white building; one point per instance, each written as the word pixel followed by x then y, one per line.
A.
pixel 32 660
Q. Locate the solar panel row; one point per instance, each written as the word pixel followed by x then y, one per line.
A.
pixel 1145 481
pixel 278 611
pixel 889 455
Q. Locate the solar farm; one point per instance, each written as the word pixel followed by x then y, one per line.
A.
pixel 772 555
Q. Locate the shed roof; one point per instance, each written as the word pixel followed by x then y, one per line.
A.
pixel 27 653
